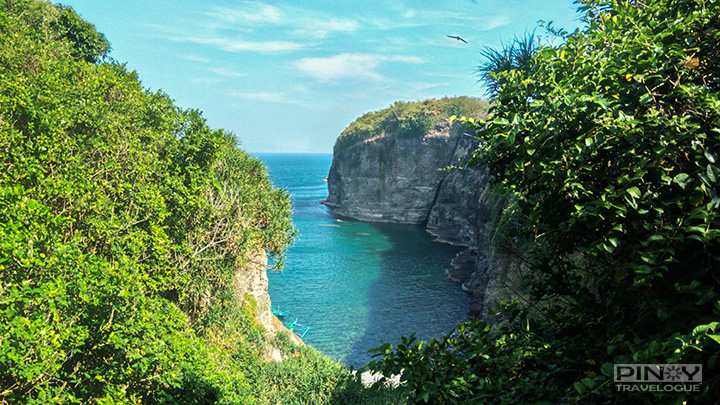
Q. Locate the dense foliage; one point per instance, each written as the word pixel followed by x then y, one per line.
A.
pixel 407 120
pixel 609 144
pixel 123 222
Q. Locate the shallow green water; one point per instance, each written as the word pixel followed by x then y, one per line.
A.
pixel 358 285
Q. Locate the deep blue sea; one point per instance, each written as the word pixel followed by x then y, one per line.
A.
pixel 358 285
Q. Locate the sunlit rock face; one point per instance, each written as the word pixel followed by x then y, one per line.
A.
pixel 385 179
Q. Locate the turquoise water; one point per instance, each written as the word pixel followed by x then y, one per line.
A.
pixel 358 285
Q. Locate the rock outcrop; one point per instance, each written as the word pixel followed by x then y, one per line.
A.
pixel 252 280
pixel 386 179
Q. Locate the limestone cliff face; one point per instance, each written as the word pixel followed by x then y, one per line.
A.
pixel 386 179
pixel 252 280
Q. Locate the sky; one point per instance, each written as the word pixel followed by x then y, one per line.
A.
pixel 291 76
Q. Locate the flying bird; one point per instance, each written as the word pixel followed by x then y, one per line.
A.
pixel 457 37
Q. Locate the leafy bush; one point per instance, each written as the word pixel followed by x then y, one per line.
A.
pixel 123 220
pixel 414 127
pixel 609 144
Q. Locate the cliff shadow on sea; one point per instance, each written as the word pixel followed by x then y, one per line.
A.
pixel 411 293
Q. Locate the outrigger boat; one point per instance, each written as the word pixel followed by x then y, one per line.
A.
pixel 297 329
pixel 280 313
pixel 293 326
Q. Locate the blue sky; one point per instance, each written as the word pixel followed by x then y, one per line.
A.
pixel 290 76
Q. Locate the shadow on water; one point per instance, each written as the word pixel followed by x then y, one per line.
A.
pixel 411 293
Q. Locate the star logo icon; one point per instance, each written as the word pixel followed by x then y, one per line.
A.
pixel 672 373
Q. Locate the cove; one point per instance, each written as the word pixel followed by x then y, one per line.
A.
pixel 358 285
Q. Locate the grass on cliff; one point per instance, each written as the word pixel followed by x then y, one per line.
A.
pixel 408 119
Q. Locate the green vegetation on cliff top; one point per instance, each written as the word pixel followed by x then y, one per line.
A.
pixel 123 222
pixel 408 119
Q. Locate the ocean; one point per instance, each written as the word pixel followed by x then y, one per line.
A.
pixel 358 285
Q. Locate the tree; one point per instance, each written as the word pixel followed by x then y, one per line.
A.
pixel 90 45
pixel 614 156
pixel 519 55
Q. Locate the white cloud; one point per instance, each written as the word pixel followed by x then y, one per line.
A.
pixel 298 21
pixel 403 10
pixel 490 23
pixel 261 96
pixel 414 19
pixel 240 45
pixel 349 66
pixel 337 25
pixel 228 72
pixel 346 65
pixel 262 28
pixel 405 59
pixel 321 29
pixel 255 13
pixel 409 13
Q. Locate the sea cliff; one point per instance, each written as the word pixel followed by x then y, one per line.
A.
pixel 384 177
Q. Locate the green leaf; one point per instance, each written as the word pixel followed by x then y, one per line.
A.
pixel 589 382
pixel 604 103
pixel 711 173
pixel 698 229
pixel 657 238
pixel 703 329
pixel 710 156
pixel 697 196
pixel 510 140
pixel 681 180
pixel 607 369
pixel 634 192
